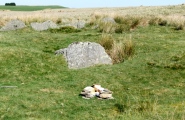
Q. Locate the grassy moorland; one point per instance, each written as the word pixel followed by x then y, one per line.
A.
pixel 28 8
pixel 149 85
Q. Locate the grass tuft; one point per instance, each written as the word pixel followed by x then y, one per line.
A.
pixel 107 41
pixel 126 23
pixel 118 50
pixel 158 21
pixel 106 27
pixel 59 21
pixel 65 29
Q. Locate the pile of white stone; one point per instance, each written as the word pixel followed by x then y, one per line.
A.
pixel 96 91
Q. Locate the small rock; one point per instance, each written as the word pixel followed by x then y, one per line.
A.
pixel 106 96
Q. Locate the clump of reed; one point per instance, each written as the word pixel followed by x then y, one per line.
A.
pixel 118 50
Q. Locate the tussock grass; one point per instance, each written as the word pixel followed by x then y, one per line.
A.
pixel 175 21
pixel 155 21
pixel 65 29
pixel 119 50
pixel 106 27
pixel 178 22
pixel 129 23
pixel 107 41
pixel 126 23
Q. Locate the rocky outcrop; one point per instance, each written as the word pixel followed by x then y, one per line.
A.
pixel 43 26
pixel 79 25
pixel 13 25
pixel 84 54
pixel 76 25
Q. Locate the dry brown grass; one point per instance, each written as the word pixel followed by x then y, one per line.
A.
pixel 171 13
pixel 122 50
pixel 118 50
pixel 177 21
pixel 107 41
pixel 107 27
pixel 66 16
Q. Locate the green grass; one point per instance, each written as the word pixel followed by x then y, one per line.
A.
pixel 144 87
pixel 29 8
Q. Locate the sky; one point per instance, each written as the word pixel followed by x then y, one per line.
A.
pixel 95 3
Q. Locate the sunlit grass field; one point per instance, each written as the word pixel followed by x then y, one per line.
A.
pixel 148 86
pixel 28 8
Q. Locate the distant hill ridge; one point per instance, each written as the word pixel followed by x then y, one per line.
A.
pixel 29 8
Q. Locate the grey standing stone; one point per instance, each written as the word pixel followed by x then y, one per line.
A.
pixel 76 25
pixel 13 25
pixel 108 20
pixel 43 26
pixel 79 25
pixel 85 54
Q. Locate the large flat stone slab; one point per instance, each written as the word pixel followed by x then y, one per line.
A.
pixel 13 25
pixel 43 26
pixel 85 54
